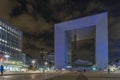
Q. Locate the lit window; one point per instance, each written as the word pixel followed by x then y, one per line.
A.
pixel 0 27
pixel 8 27
pixel 2 40
pixel 3 29
pixel 5 41
pixel 0 22
pixel 3 24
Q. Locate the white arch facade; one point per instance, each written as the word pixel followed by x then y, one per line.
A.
pixel 100 21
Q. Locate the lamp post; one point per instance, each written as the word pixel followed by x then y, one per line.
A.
pixel 7 56
pixel 46 63
pixel 33 62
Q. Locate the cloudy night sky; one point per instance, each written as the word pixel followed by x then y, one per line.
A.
pixel 36 18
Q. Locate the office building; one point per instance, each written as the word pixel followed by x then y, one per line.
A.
pixel 10 44
pixel 92 27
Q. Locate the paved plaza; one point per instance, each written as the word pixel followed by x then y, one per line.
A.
pixel 61 76
pixel 87 76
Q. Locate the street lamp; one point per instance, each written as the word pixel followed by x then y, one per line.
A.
pixel 46 63
pixel 7 56
pixel 33 62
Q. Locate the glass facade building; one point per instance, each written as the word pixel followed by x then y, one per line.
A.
pixel 10 41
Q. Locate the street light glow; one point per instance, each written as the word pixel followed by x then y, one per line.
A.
pixel 7 56
pixel 46 63
pixel 33 61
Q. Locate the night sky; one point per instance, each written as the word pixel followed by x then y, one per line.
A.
pixel 36 18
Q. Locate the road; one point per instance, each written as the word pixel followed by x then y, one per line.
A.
pixel 63 76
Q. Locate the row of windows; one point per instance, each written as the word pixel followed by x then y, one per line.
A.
pixel 8 51
pixel 10 42
pixel 9 47
pixel 2 40
pixel 11 53
pixel 10 28
pixel 6 31
pixel 10 38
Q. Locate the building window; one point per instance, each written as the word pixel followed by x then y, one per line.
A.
pixel 0 27
pixel 3 24
pixel 0 22
pixel 6 26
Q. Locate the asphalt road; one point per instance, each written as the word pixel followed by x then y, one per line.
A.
pixel 63 76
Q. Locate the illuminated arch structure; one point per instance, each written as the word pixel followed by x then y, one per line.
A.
pixel 62 36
